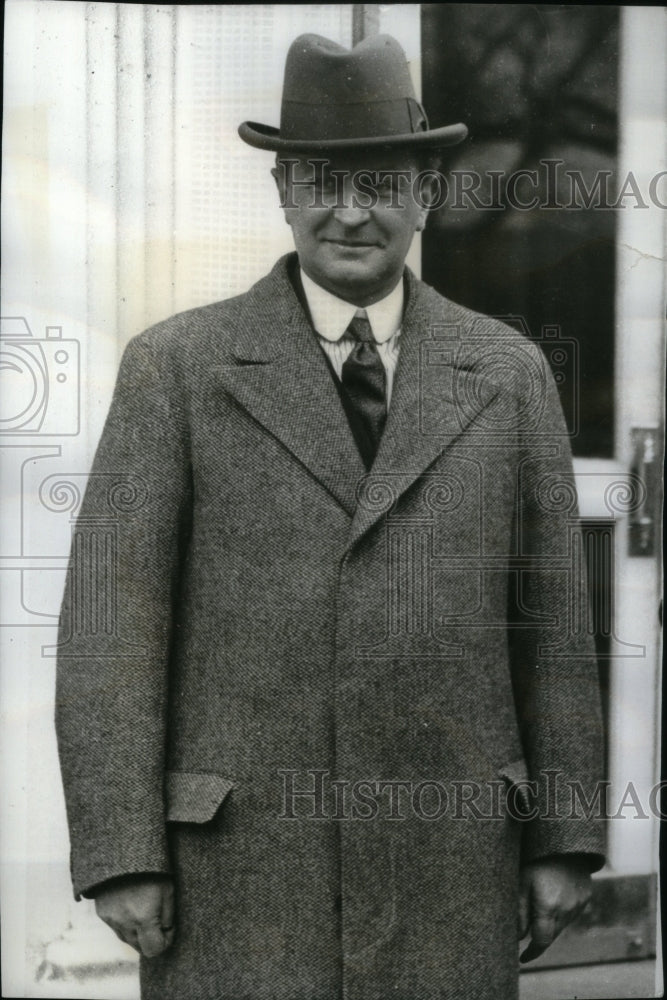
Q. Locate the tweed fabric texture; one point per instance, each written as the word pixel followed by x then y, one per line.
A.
pixel 278 610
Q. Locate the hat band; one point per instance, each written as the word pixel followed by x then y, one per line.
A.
pixel 361 120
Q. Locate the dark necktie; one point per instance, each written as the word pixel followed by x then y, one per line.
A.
pixel 364 379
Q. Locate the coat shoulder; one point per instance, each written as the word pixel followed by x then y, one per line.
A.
pixel 194 333
pixel 199 339
pixel 475 328
pixel 498 348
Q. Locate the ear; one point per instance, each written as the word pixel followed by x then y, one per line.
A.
pixel 428 195
pixel 279 177
pixel 421 220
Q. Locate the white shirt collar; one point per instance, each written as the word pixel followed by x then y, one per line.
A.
pixel 331 316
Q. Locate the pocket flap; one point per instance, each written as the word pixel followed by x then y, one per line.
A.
pixel 516 773
pixel 193 797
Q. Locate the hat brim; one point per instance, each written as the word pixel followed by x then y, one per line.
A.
pixel 267 137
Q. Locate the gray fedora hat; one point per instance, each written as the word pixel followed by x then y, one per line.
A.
pixel 338 98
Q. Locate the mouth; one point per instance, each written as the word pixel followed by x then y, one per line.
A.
pixel 352 244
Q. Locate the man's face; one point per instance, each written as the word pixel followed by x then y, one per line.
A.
pixel 353 219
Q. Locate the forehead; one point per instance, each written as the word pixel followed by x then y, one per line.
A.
pixel 355 161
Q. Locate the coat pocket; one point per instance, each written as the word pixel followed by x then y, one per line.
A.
pixel 515 774
pixel 194 797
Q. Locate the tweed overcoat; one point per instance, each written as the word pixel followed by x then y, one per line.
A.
pixel 250 614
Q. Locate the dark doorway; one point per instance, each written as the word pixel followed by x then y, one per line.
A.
pixel 537 87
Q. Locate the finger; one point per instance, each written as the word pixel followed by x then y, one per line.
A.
pixel 543 929
pixel 168 908
pixel 167 914
pixel 568 915
pixel 531 952
pixel 151 939
pixel 169 936
pixel 126 934
pixel 543 932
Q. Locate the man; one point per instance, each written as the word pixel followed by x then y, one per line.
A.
pixel 336 674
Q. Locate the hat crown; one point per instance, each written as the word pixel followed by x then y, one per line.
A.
pixel 331 92
pixel 320 71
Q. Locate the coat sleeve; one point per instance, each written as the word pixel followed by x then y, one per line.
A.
pixel 116 624
pixel 554 668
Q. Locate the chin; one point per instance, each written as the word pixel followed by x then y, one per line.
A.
pixel 356 272
pixel 353 287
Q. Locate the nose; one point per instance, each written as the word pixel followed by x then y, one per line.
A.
pixel 350 215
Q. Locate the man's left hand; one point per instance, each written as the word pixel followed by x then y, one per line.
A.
pixel 553 892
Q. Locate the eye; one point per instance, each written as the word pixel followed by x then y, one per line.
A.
pixel 326 185
pixel 389 186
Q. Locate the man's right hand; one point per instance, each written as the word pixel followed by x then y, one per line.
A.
pixel 141 912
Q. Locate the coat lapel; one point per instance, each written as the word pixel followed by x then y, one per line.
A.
pixel 279 375
pixel 436 397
